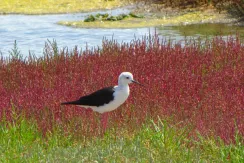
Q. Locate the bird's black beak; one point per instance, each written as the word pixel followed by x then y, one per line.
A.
pixel 137 82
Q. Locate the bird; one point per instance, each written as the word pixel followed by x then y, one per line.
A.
pixel 109 98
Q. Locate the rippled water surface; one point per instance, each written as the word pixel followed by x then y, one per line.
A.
pixel 31 32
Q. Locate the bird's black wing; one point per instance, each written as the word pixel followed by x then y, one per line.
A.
pixel 98 98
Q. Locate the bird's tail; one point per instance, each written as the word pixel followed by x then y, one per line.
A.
pixel 70 103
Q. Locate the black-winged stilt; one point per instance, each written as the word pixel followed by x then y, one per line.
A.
pixel 109 98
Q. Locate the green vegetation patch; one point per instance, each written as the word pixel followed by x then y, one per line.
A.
pixel 54 6
pixel 107 17
pixel 158 141
pixel 138 22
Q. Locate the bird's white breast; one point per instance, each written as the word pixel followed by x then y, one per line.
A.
pixel 120 96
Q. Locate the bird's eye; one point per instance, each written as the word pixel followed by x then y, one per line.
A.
pixel 127 77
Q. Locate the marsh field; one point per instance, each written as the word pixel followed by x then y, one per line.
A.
pixel 190 110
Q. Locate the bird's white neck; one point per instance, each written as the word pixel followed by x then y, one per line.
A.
pixel 123 86
pixel 121 83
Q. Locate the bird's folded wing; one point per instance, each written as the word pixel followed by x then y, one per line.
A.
pixel 98 98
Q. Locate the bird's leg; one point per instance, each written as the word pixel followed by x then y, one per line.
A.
pixel 104 121
pixel 89 114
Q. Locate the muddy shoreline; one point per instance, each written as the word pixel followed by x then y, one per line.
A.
pixel 156 15
pixel 159 11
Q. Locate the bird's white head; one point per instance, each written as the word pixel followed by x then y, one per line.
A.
pixel 126 78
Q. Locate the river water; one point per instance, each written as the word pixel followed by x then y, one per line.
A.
pixel 32 31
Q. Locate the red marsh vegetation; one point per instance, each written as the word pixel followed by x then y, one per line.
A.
pixel 197 85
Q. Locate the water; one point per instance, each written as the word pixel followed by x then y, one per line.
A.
pixel 203 30
pixel 32 31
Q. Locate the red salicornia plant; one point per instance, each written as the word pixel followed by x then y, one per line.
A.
pixel 200 85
